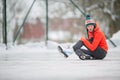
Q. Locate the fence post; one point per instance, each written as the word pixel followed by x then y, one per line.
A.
pixel 46 22
pixel 5 23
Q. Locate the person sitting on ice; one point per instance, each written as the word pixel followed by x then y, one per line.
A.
pixel 95 43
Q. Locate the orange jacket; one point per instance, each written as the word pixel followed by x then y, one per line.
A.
pixel 98 39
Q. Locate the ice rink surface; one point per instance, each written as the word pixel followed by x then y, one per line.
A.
pixel 51 65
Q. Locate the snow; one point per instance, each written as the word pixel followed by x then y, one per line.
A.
pixel 116 39
pixel 35 61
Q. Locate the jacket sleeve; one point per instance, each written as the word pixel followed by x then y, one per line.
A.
pixel 92 46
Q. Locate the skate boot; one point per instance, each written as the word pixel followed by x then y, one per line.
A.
pixel 61 50
pixel 86 57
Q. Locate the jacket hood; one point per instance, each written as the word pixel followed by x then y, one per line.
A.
pixel 96 27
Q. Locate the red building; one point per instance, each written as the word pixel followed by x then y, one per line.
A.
pixel 33 31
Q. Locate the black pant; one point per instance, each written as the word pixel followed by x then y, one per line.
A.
pixel 98 53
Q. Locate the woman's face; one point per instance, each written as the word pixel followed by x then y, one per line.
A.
pixel 90 28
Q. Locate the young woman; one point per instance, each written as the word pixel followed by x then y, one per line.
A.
pixel 95 43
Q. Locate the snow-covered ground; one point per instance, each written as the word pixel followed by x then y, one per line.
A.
pixel 35 61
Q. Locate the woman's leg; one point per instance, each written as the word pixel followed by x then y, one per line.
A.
pixel 99 53
pixel 78 45
pixel 81 53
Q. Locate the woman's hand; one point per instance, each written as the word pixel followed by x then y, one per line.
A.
pixel 83 39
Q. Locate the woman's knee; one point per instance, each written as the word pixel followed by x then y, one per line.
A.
pixel 75 47
pixel 78 45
